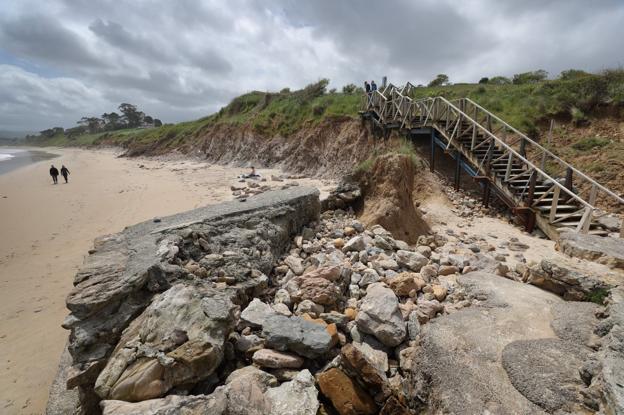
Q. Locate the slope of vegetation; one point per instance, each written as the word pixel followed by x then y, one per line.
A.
pixel 589 109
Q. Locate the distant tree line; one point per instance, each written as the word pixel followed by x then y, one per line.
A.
pixel 130 117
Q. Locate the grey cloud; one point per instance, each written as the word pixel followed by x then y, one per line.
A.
pixel 42 39
pixel 180 60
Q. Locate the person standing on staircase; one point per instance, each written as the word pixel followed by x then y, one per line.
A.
pixel 367 87
pixel 373 86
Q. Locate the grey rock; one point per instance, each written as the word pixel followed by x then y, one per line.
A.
pixel 256 313
pixel 369 276
pixel 380 316
pixel 177 340
pixel 295 264
pixel 571 284
pixel 356 243
pixel 297 397
pixel 508 316
pixel 411 260
pixel 413 326
pixel 309 307
pixel 296 334
pixel 546 372
pixel 608 251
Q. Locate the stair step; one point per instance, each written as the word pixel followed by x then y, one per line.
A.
pixel 546 208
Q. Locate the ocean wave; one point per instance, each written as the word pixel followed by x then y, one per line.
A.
pixel 4 157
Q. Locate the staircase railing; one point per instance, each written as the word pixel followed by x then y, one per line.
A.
pixel 584 186
pixel 465 117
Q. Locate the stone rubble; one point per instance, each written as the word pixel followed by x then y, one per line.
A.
pixel 327 321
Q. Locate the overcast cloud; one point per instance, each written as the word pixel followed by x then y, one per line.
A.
pixel 183 59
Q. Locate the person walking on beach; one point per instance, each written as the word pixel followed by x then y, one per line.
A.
pixel 64 172
pixel 54 173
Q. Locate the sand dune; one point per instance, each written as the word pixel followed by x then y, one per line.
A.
pixel 46 231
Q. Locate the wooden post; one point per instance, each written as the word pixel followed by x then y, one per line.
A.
pixel 509 164
pixel 592 194
pixel 458 158
pixel 532 182
pixel 523 147
pixel 553 205
pixel 530 221
pixel 568 178
pixel 432 154
pixel 474 137
pixel 486 193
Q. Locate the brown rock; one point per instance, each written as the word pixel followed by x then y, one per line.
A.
pixel 351 313
pixel 339 243
pixel 403 283
pixel 448 270
pixel 439 292
pixel 355 361
pixel 318 290
pixel 349 231
pixel 347 396
pixel 331 273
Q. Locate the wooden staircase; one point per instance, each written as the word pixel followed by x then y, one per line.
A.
pixel 535 183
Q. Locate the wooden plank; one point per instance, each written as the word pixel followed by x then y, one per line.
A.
pixel 554 204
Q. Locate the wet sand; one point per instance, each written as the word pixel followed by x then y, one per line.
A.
pixel 47 230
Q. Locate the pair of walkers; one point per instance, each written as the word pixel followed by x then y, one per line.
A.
pixel 370 87
pixel 55 173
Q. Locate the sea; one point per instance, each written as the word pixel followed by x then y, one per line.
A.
pixel 13 158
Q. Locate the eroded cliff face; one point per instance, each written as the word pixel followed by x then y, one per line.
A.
pixel 388 196
pixel 328 149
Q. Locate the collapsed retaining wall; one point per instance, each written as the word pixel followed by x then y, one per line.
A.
pixel 153 304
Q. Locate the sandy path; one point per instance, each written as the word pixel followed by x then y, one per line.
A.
pixel 46 231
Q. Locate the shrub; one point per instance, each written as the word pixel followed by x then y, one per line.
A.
pixel 439 80
pixel 571 74
pixel 587 144
pixel 349 89
pixel 530 77
pixel 484 80
pixel 500 80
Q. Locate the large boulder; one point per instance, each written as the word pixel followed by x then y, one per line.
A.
pixel 296 334
pixel 569 282
pixel 380 315
pixel 501 354
pixel 608 251
pixel 177 340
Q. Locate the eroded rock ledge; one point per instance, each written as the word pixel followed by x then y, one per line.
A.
pixel 175 285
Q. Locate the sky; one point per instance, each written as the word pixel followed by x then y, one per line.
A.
pixel 179 60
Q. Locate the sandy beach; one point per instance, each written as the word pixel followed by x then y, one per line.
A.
pixel 47 230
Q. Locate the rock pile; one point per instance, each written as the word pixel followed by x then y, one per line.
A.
pixel 245 188
pixel 274 308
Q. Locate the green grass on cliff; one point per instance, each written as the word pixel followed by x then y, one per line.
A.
pixel 286 112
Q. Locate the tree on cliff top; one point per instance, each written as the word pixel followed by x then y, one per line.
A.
pixel 441 79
